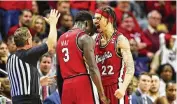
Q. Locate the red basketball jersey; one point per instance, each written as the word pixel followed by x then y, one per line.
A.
pixel 110 64
pixel 70 57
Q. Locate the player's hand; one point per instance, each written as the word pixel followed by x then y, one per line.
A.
pixel 119 93
pixel 105 100
pixel 53 17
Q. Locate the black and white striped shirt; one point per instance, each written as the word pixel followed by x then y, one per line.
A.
pixel 22 70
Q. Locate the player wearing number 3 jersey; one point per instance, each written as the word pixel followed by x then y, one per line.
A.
pixel 113 56
pixel 72 46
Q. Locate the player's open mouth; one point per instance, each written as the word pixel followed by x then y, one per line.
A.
pixel 98 27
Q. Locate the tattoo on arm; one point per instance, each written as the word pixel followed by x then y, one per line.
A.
pixel 127 57
pixel 124 45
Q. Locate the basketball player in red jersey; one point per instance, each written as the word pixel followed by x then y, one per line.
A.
pixel 113 56
pixel 72 46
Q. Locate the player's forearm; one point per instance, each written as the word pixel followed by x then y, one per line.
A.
pixel 95 75
pixel 52 38
pixel 128 60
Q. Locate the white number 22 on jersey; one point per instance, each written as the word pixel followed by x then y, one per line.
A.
pixel 66 52
pixel 109 68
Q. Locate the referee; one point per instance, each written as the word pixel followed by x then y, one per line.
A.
pixel 22 65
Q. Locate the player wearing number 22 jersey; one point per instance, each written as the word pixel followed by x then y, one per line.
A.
pixel 113 56
pixel 111 66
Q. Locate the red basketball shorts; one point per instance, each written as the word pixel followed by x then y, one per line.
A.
pixel 110 90
pixel 79 90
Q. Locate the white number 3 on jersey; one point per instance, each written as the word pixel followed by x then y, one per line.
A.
pixel 66 52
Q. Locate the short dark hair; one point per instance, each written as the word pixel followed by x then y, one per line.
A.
pixel 36 39
pixel 25 10
pixel 83 16
pixel 20 36
pixel 45 55
pixel 46 12
pixel 171 82
pixel 10 39
pixel 144 73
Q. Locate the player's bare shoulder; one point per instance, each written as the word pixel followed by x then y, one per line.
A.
pixel 122 42
pixel 94 36
pixel 85 39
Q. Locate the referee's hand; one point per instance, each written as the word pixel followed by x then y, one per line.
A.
pixel 46 81
pixel 53 17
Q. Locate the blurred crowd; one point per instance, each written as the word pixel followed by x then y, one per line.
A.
pixel 150 27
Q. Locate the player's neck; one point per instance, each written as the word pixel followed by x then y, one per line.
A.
pixel 80 25
pixel 108 32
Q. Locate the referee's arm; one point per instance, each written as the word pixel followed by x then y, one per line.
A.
pixel 52 20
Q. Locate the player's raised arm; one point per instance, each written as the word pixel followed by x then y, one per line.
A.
pixel 124 45
pixel 52 21
pixel 88 50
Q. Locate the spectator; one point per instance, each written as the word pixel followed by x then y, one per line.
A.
pixel 5 87
pixel 154 90
pixel 135 83
pixel 45 70
pixel 154 19
pixel 38 24
pixel 66 22
pixel 167 10
pixel 127 27
pixel 140 96
pixel 3 57
pixel 141 63
pixel 25 18
pixel 11 44
pixel 167 52
pixel 138 8
pixel 124 7
pixel 100 3
pixel 171 90
pixel 131 88
pixel 9 12
pixel 35 8
pixel 63 7
pixel 167 74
